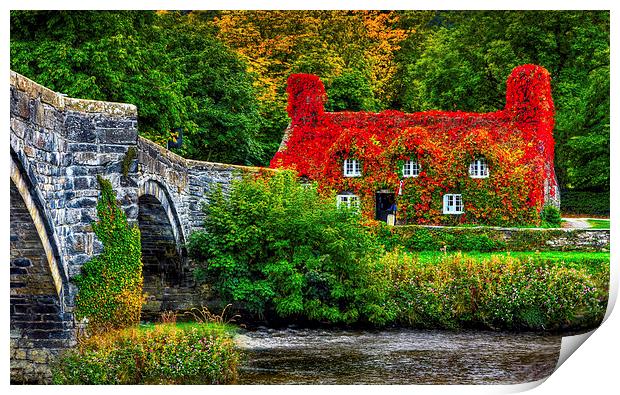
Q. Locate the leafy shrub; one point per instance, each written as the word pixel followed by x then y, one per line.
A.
pixel 276 247
pixel 110 285
pixel 585 202
pixel 550 216
pixel 164 354
pixel 497 292
pixel 467 241
pixel 423 239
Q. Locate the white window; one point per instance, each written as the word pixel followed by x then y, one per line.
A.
pixel 352 168
pixel 479 169
pixel 411 168
pixel 452 204
pixel 348 201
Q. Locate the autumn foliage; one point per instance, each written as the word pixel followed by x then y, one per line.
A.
pixel 517 143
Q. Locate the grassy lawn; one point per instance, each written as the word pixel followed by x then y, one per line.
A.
pixel 599 223
pixel 592 261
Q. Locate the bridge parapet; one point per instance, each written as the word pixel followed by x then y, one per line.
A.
pixel 62 144
pixel 187 181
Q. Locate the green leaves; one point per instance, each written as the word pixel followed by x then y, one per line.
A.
pixel 550 216
pixel 350 91
pixel 110 285
pixel 277 248
pixel 172 68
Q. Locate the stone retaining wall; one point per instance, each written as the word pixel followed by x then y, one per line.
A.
pixel 510 239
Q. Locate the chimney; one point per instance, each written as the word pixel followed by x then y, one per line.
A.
pixel 306 99
pixel 528 96
pixel 529 103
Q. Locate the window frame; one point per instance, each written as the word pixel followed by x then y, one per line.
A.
pixel 479 168
pixel 413 164
pixel 356 168
pixel 348 199
pixel 457 201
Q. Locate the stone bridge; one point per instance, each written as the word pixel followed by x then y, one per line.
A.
pixel 58 147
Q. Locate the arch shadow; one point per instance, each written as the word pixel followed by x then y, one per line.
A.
pixel 45 229
pixel 166 275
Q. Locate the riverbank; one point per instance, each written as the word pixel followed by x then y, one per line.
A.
pixel 547 292
pixel 183 353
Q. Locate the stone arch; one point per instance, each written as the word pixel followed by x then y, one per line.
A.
pixel 23 186
pixel 40 326
pixel 162 238
pixel 158 191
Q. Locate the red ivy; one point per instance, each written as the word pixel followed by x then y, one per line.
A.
pixel 517 143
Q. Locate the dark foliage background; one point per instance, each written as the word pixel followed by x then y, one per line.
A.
pixel 220 75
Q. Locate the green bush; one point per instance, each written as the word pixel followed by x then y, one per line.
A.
pixel 500 292
pixel 550 216
pixel 110 285
pixel 585 202
pixel 277 248
pixel 164 354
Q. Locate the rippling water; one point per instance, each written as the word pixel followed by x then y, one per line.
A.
pixel 401 356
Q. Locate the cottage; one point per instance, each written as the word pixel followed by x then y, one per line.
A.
pixel 433 167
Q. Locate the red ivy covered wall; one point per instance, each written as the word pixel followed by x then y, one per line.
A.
pixel 517 143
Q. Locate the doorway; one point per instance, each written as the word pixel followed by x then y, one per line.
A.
pixel 383 202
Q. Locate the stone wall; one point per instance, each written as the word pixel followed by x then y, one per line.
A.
pixel 62 145
pixel 39 328
pixel 186 181
pixel 510 239
pixel 581 239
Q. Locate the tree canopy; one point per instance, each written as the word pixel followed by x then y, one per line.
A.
pixel 171 66
pixel 221 75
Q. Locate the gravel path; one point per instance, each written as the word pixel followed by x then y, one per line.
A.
pixel 577 223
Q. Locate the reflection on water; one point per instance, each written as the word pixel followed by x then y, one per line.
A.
pixel 400 356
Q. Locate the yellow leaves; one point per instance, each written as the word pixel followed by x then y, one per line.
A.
pixel 277 43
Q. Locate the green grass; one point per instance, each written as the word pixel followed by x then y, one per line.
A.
pixel 213 327
pixel 599 223
pixel 592 261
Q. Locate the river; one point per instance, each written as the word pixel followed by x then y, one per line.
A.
pixel 398 356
